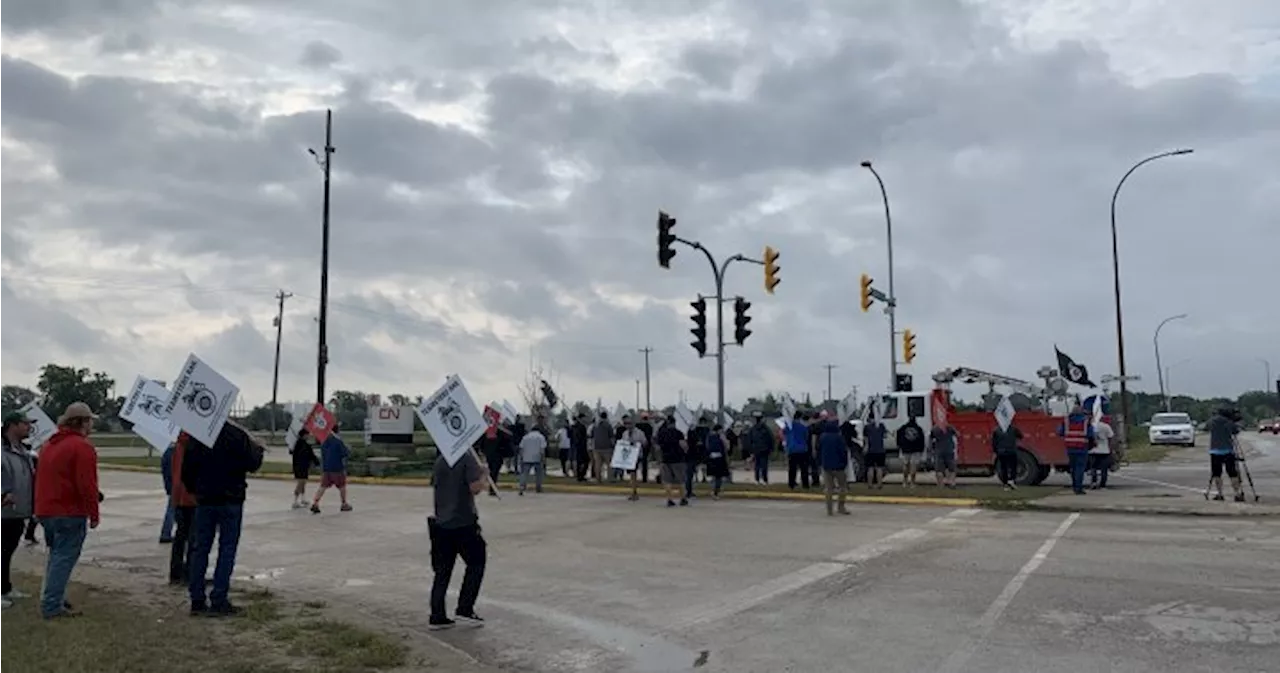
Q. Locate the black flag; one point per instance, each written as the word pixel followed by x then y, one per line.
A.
pixel 550 395
pixel 1075 373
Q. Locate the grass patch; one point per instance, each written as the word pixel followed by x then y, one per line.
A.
pixel 1146 453
pixel 126 633
pixel 153 462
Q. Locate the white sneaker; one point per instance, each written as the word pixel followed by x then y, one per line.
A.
pixel 298 504
pixel 6 604
pixel 15 594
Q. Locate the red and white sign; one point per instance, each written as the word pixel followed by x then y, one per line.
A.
pixel 391 420
pixel 492 418
pixel 320 423
pixel 939 407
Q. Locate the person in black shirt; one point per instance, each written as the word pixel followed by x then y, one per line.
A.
pixel 696 455
pixel 578 444
pixel 674 447
pixel 911 442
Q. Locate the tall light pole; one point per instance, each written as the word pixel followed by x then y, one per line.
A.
pixel 892 304
pixel 1156 340
pixel 648 403
pixel 1168 382
pixel 325 163
pixel 829 367
pixel 1115 269
pixel 1270 381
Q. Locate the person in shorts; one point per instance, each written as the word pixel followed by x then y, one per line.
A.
pixel 911 440
pixel 672 444
pixel 303 457
pixel 333 461
pixel 942 441
pixel 1223 428
pixel 874 433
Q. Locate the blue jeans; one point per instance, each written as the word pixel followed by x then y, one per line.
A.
pixel 538 470
pixel 762 467
pixel 166 527
pixel 65 537
pixel 224 521
pixel 1078 460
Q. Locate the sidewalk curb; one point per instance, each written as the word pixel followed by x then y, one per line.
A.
pixel 644 490
pixel 1145 511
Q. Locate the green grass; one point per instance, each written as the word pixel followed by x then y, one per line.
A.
pixel 353 439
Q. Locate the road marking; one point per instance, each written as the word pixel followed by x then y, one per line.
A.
pixel 753 596
pixel 988 620
pixel 1159 483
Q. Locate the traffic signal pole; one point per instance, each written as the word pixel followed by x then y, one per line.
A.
pixel 891 305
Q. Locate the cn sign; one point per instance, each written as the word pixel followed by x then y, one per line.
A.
pixel 391 420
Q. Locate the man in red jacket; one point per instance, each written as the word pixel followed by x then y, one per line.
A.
pixel 66 502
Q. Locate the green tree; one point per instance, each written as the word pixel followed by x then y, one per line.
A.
pixel 61 385
pixel 259 418
pixel 13 398
pixel 350 407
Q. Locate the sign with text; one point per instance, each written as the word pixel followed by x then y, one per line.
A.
pixel 683 417
pixel 42 427
pixel 451 417
pixel 295 429
pixel 320 422
pixel 509 412
pixel 847 408
pixel 625 456
pixel 144 408
pixel 391 420
pixel 200 401
pixel 1005 413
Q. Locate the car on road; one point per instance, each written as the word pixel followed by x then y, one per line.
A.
pixel 1172 428
pixel 1271 425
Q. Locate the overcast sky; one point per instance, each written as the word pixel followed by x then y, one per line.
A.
pixel 500 165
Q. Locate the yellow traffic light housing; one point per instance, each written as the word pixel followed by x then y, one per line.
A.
pixel 771 269
pixel 866 293
pixel 908 346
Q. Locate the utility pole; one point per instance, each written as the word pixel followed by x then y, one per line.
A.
pixel 829 367
pixel 325 165
pixel 275 376
pixel 637 397
pixel 648 402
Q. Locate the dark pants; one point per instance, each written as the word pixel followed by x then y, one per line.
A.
pixel 644 463
pixel 11 536
pixel 761 462
pixel 584 463
pixel 183 541
pixel 1007 466
pixel 690 469
pixel 1077 460
pixel 1099 466
pixel 798 461
pixel 815 469
pixel 224 522
pixel 446 546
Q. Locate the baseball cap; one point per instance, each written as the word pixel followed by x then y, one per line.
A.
pixel 15 417
pixel 76 411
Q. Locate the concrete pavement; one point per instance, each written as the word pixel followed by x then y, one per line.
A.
pixel 589 583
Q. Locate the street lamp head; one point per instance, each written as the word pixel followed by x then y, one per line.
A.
pixel 1185 150
pixel 866 164
pixel 312 153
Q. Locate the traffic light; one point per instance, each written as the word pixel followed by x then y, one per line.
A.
pixel 908 346
pixel 771 269
pixel 866 293
pixel 740 320
pixel 699 330
pixel 665 239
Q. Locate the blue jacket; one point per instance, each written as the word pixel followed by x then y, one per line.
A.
pixel 832 450
pixel 333 454
pixel 797 437
pixel 166 469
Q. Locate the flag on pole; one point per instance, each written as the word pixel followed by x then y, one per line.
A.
pixel 1072 370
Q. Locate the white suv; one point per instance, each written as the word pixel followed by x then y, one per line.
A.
pixel 1172 428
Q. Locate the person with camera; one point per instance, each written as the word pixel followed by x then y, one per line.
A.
pixel 455 532
pixel 1223 428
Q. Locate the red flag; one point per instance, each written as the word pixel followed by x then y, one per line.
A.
pixel 320 422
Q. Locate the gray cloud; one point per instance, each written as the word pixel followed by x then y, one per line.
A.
pixel 320 55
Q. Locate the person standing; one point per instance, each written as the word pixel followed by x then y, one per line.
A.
pixel 602 448
pixel 184 516
pixel 718 453
pixel 533 454
pixel 216 478
pixel 66 497
pixel 578 444
pixel 797 437
pixel 1223 429
pixel 672 444
pixel 518 429
pixel 833 453
pixel 303 457
pixel 166 477
pixel 695 453
pixel 875 433
pixel 18 494
pixel 454 531
pixel 333 461
pixel 1077 433
pixel 910 440
pixel 942 441
pixel 646 450
pixel 632 434
pixel 1100 454
pixel 815 454
pixel 563 450
pixel 1004 443
pixel 760 441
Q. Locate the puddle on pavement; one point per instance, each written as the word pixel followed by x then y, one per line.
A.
pixel 648 654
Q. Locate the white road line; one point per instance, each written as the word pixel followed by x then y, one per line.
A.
pixel 987 622
pixel 1160 483
pixel 748 598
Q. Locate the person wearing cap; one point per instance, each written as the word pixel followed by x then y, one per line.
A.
pixel 761 442
pixel 66 502
pixel 19 493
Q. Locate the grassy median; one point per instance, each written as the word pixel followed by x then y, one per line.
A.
pixel 150 632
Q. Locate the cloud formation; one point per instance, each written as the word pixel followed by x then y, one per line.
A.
pixel 499 169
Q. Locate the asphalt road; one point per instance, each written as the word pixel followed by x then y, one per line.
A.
pixel 590 583
pixel 1187 470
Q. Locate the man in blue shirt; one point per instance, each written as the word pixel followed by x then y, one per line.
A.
pixel 1223 429
pixel 833 454
pixel 333 464
pixel 797 435
pixel 874 434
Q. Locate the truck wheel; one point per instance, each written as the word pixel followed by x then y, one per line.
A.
pixel 1045 471
pixel 1028 469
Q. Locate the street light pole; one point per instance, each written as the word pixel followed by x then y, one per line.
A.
pixel 1115 270
pixel 892 304
pixel 1270 381
pixel 322 355
pixel 1159 371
